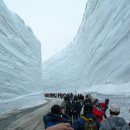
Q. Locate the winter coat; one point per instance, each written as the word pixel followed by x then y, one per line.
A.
pixel 77 106
pixel 67 107
pixel 80 123
pixel 116 122
pixel 87 101
pixel 53 119
pixel 98 112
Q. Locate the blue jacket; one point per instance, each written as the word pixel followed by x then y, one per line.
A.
pixel 53 119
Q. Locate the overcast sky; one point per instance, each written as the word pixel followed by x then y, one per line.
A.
pixel 54 22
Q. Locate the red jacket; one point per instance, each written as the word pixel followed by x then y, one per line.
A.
pixel 102 105
pixel 98 112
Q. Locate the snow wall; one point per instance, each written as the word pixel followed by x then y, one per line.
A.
pixel 100 52
pixel 20 58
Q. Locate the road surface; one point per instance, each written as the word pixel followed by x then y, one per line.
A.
pixel 28 119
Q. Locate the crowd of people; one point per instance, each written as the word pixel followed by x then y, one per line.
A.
pixel 78 112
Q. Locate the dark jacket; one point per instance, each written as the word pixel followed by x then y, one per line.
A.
pixel 77 106
pixel 53 119
pixel 80 123
pixel 117 122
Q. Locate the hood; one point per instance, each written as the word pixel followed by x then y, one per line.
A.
pixel 54 117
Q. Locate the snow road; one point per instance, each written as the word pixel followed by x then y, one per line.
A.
pixel 31 118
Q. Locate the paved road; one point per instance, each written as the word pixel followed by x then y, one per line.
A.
pixel 28 119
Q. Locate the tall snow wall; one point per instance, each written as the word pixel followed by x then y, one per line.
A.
pixel 20 57
pixel 100 52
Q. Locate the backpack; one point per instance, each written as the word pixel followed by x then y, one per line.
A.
pixel 112 128
pixel 90 124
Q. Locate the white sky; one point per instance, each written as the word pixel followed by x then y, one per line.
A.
pixel 54 22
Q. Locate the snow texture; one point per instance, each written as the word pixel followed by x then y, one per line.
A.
pixel 99 54
pixel 20 59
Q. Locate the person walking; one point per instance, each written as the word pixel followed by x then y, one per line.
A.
pixel 114 122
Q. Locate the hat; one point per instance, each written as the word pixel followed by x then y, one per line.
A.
pixel 106 100
pixel 114 108
pixel 88 95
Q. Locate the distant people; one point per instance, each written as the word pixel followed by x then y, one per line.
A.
pixel 55 117
pixel 114 122
pixel 61 126
pixel 87 121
